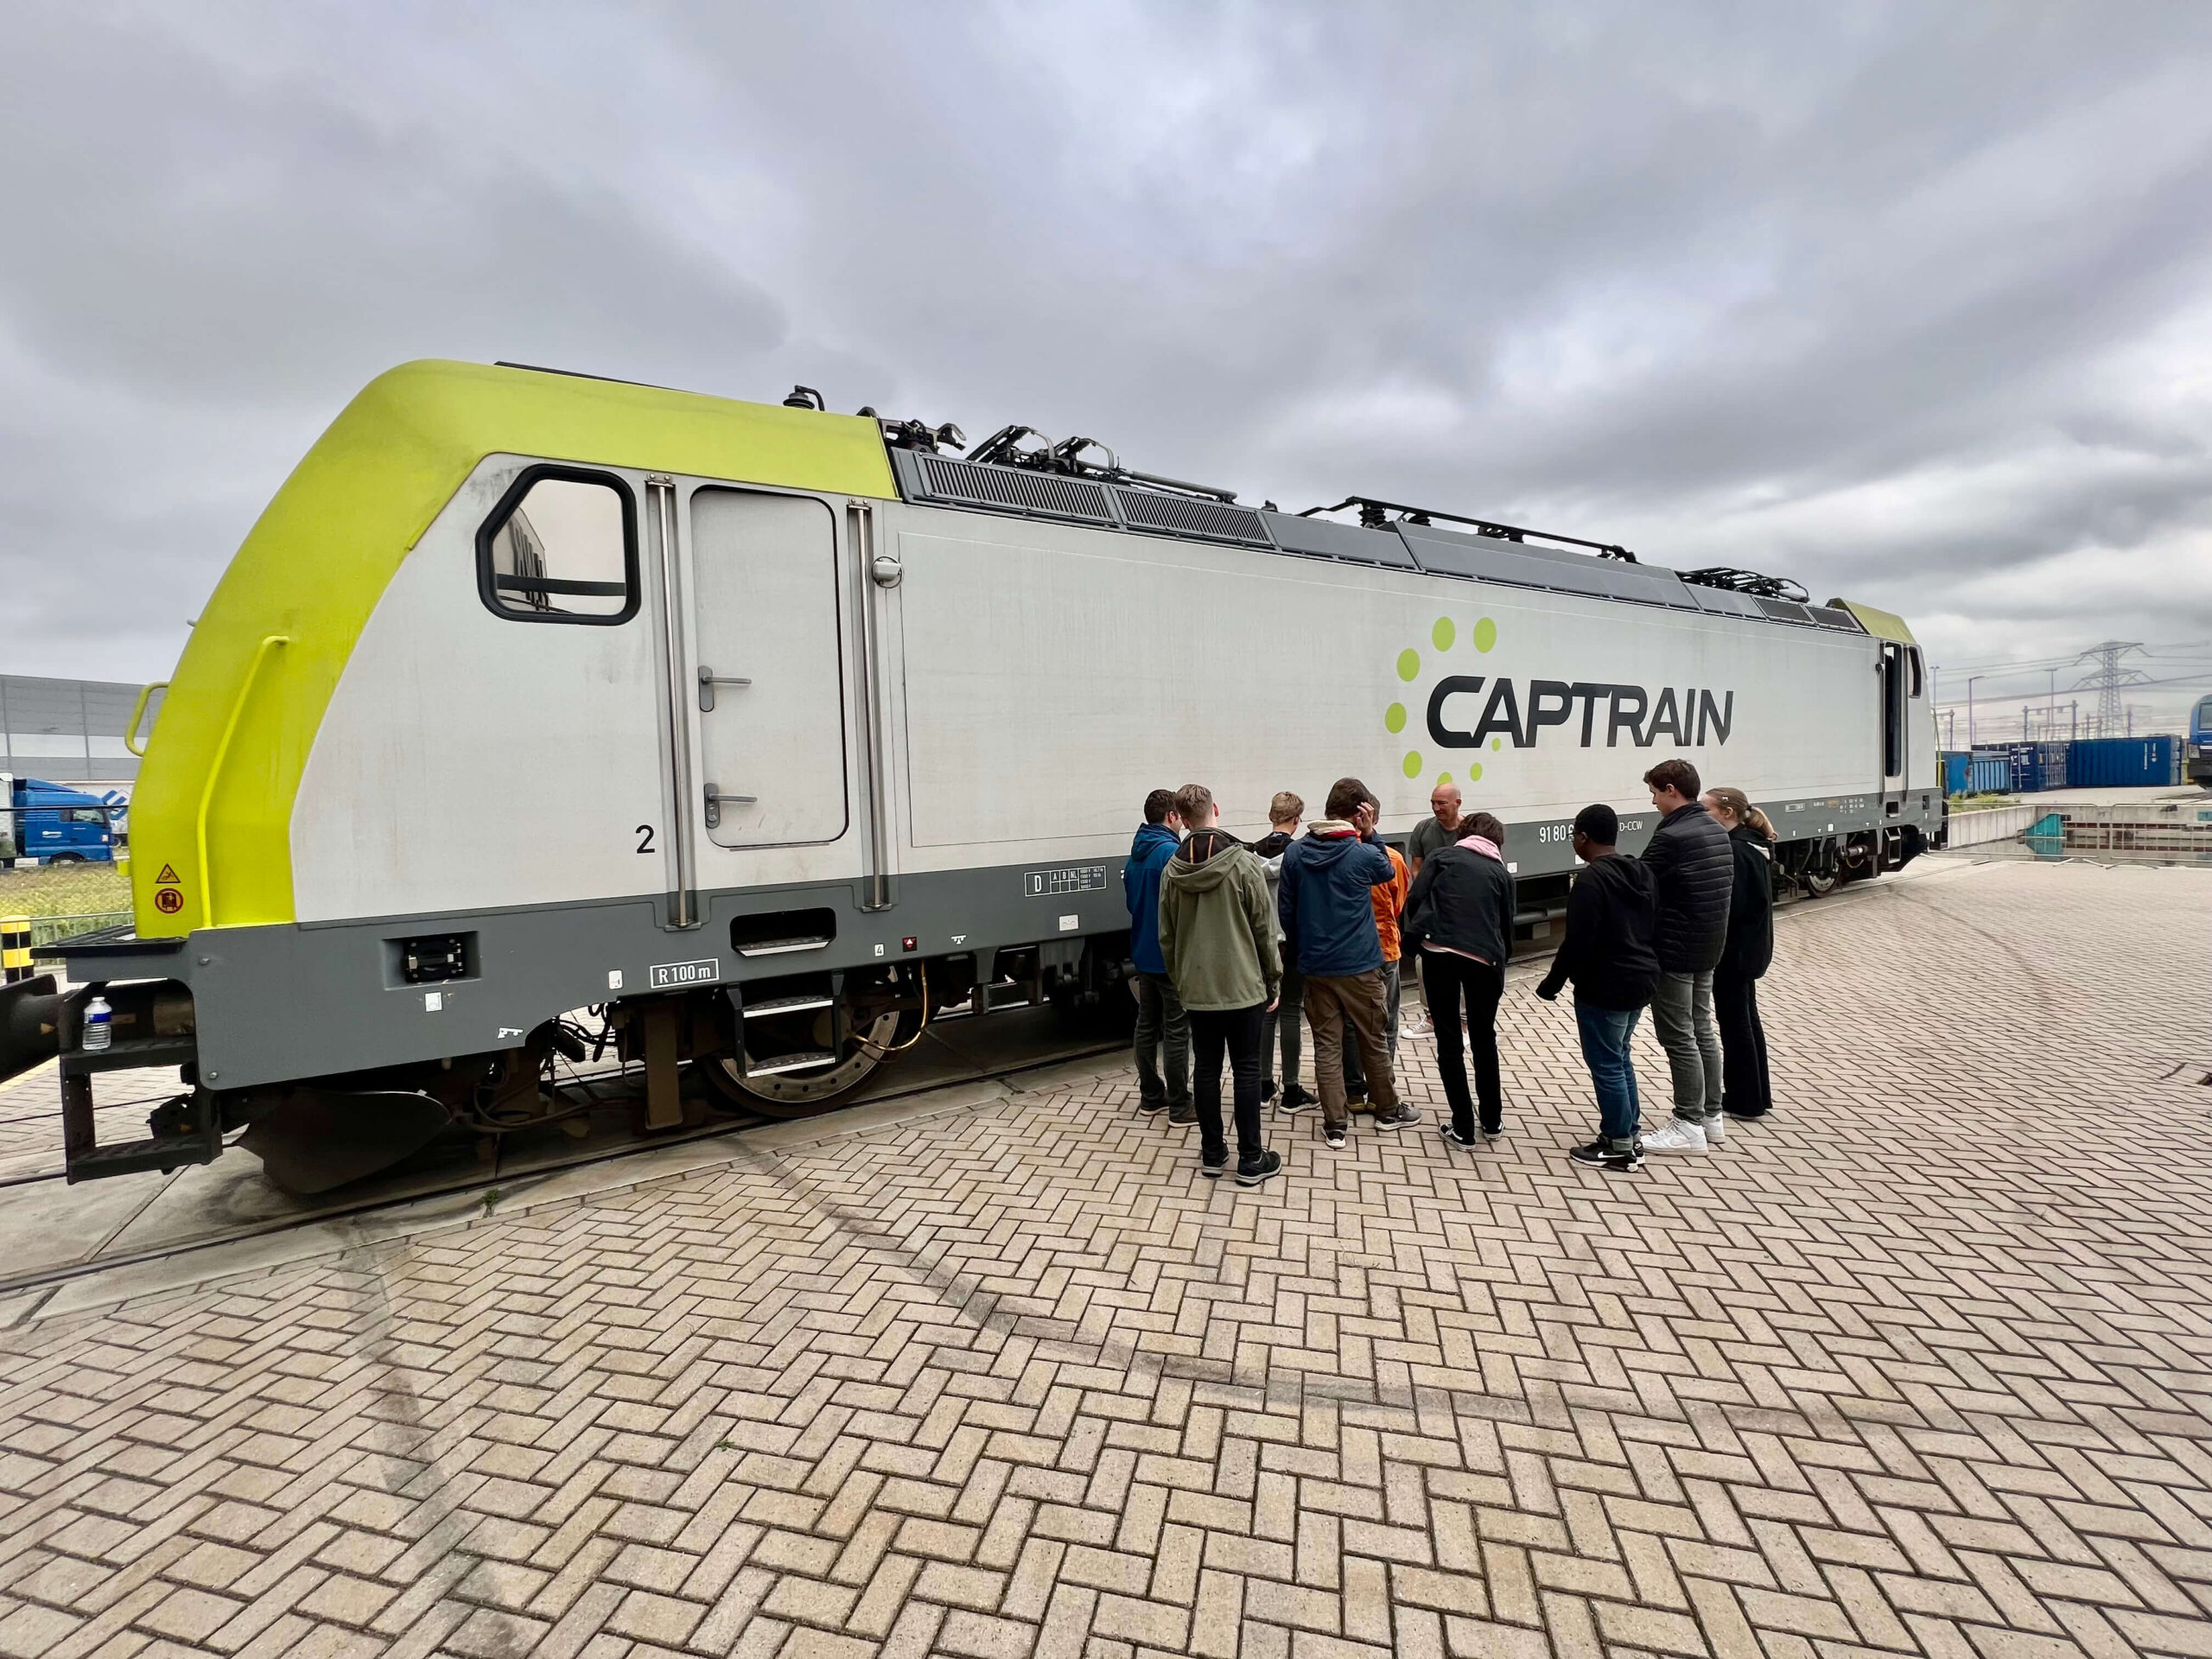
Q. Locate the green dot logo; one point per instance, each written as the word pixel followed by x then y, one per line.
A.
pixel 1443 634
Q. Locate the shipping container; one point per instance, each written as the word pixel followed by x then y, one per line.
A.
pixel 1966 773
pixel 2124 762
pixel 2034 766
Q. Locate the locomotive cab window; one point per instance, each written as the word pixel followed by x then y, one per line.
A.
pixel 562 546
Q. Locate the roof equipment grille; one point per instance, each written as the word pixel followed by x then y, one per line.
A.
pixel 1047 495
pixel 1183 515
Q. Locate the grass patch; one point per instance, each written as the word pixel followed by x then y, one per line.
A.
pixel 65 890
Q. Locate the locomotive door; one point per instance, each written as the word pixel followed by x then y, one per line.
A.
pixel 771 755
pixel 1897 734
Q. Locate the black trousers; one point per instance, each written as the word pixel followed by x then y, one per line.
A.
pixel 1744 1086
pixel 1238 1031
pixel 1446 980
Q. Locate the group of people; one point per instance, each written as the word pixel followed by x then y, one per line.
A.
pixel 1231 943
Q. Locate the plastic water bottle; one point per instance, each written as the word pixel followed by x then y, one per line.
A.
pixel 99 1025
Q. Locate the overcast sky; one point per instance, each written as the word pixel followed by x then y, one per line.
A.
pixel 1910 303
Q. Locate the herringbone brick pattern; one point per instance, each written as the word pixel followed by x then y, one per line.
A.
pixel 1918 1367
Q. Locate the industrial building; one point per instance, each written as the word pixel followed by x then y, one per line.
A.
pixel 68 731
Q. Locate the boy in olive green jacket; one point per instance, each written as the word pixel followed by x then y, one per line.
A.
pixel 1218 936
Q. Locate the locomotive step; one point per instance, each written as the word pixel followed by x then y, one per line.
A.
pixel 788 1005
pixel 787 1062
pixel 131 1055
pixel 128 1157
pixel 783 947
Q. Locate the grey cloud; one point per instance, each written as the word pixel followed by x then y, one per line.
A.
pixel 1868 296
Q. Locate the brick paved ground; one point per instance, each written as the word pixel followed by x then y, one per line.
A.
pixel 1919 1368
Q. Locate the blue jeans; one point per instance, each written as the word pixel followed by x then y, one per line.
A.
pixel 1613 1073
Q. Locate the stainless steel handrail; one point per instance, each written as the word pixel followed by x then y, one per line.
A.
pixel 861 516
pixel 679 689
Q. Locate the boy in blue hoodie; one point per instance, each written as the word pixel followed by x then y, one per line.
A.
pixel 1324 897
pixel 1161 1023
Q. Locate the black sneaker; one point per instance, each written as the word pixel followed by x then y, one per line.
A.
pixel 1267 1090
pixel 1183 1113
pixel 1213 1168
pixel 1151 1108
pixel 1264 1167
pixel 1602 1153
pixel 1295 1099
pixel 1742 1116
pixel 1453 1136
pixel 1334 1134
pixel 1403 1118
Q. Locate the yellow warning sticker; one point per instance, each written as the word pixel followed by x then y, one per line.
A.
pixel 167 878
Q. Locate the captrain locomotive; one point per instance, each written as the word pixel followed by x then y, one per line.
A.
pixel 766 734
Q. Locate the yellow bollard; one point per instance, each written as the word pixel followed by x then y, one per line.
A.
pixel 14 947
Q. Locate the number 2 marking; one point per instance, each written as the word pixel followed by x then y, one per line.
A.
pixel 644 837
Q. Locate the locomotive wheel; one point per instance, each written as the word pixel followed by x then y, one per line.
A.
pixel 1818 884
pixel 804 1093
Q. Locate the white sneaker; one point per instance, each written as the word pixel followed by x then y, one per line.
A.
pixel 1417 1025
pixel 1715 1128
pixel 1675 1136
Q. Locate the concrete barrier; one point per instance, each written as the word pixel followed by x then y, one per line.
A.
pixel 1989 823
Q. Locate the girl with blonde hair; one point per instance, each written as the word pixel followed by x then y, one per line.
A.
pixel 1745 1089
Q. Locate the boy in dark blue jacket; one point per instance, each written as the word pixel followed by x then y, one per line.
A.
pixel 1161 1023
pixel 1327 908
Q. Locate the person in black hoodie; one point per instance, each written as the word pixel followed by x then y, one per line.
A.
pixel 1608 955
pixel 1744 959
pixel 1459 926
pixel 1692 870
pixel 1284 813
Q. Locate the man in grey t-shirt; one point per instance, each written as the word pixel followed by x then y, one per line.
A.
pixel 1431 836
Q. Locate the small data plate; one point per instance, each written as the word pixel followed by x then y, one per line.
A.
pixel 669 975
pixel 1054 884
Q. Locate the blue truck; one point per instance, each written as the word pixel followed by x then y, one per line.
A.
pixel 2200 744
pixel 45 824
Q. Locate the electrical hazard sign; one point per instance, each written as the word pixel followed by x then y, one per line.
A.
pixel 166 898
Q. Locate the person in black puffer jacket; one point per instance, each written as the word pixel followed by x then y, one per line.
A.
pixel 1458 926
pixel 1693 869
pixel 1745 958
